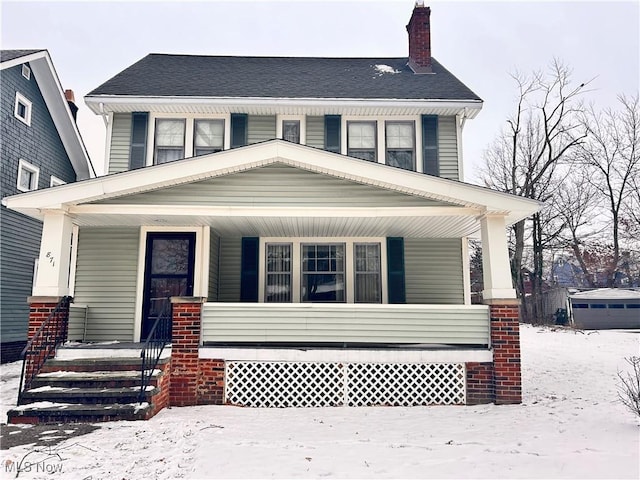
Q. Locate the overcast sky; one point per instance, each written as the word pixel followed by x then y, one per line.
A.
pixel 479 42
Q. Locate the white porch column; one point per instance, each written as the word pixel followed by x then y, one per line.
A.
pixel 495 259
pixel 55 253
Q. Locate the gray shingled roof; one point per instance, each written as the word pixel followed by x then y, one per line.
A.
pixel 7 55
pixel 158 75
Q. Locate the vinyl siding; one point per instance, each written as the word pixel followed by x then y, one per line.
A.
pixel 214 277
pixel 106 279
pixel 261 128
pixel 433 270
pixel 230 255
pixel 448 148
pixel 461 325
pixel 315 131
pixel 275 185
pixel 20 245
pixel 120 143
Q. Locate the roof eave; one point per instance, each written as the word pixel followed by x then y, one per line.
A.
pixel 101 104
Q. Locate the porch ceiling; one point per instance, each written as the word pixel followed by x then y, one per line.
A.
pixel 331 223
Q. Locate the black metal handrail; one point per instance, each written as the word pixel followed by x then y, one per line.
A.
pixel 43 344
pixel 159 337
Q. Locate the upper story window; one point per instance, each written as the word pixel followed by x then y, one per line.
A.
pixel 291 130
pixel 55 181
pixel 27 176
pixel 169 144
pixel 208 136
pixel 22 109
pixel 361 140
pixel 26 71
pixel 401 145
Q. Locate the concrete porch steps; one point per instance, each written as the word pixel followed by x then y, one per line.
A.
pixel 90 390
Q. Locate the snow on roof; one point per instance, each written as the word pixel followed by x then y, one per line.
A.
pixel 607 293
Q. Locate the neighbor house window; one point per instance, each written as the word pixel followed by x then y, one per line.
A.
pixel 401 145
pixel 278 273
pixel 27 176
pixel 291 131
pixel 368 285
pixel 55 181
pixel 169 145
pixel 208 136
pixel 361 140
pixel 22 109
pixel 323 273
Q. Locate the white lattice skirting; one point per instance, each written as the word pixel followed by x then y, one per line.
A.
pixel 317 384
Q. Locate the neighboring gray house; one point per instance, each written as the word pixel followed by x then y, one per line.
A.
pixel 41 148
pixel 302 219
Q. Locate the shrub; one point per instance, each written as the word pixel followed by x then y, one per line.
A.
pixel 629 387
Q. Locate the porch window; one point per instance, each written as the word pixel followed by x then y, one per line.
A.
pixel 278 281
pixel 401 145
pixel 291 130
pixel 208 136
pixel 169 140
pixel 361 140
pixel 323 273
pixel 368 286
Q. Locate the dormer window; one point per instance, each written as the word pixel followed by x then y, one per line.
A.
pixel 208 136
pixel 361 140
pixel 169 145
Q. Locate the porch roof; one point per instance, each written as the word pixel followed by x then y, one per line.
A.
pixel 459 209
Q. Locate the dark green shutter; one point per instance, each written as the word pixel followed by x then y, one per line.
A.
pixel 395 270
pixel 239 123
pixel 332 126
pixel 430 145
pixel 138 149
pixel 249 269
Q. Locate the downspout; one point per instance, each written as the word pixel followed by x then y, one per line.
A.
pixel 105 117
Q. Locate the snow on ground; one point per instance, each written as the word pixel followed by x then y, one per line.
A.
pixel 570 425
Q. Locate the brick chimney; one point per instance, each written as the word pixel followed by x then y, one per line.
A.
pixel 71 100
pixel 420 39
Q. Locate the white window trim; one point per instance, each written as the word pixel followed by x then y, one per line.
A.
pixel 200 269
pixel 381 145
pixel 27 103
pixel 296 264
pixel 24 165
pixel 188 132
pixel 26 71
pixel 303 126
pixel 55 181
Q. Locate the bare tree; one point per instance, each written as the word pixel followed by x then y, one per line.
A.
pixel 524 158
pixel 612 154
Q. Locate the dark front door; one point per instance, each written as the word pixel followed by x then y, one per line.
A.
pixel 168 272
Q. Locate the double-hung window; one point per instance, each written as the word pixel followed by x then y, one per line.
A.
pixel 323 275
pixel 278 272
pixel 169 144
pixel 291 130
pixel 368 282
pixel 361 140
pixel 208 136
pixel 401 145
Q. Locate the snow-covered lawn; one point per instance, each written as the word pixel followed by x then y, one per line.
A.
pixel 570 425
